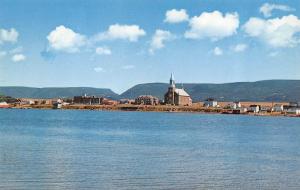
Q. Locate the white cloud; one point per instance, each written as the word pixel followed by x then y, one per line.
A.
pixel 277 32
pixel 18 57
pixel 159 38
pixel 103 51
pixel 65 39
pixel 213 25
pixel 9 35
pixel 266 9
pixel 176 16
pixel 240 47
pixel 124 32
pixel 218 51
pixel 99 69
pixel 127 67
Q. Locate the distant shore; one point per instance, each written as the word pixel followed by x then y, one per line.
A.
pixel 151 108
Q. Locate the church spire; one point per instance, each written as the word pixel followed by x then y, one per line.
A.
pixel 172 81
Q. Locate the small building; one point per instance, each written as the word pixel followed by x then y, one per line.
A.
pixel 147 100
pixel 210 102
pixel 57 104
pixel 234 105
pixel 294 104
pixel 278 108
pixel 176 96
pixel 126 101
pixel 294 110
pixel 90 100
pixel 254 108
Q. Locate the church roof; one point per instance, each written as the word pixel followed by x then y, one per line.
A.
pixel 181 92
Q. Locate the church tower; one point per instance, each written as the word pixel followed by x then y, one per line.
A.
pixel 172 81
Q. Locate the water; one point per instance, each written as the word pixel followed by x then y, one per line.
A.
pixel 69 149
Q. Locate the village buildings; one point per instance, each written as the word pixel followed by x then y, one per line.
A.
pixel 147 100
pixel 176 96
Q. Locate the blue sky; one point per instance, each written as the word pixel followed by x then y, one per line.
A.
pixel 117 44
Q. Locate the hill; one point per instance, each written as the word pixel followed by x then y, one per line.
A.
pixel 55 92
pixel 267 90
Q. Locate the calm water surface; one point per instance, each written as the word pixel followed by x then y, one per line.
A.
pixel 65 149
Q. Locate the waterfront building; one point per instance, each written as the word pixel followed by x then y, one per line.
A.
pixel 177 96
pixel 278 108
pixel 294 110
pixel 234 105
pixel 90 100
pixel 147 100
pixel 254 108
pixel 210 102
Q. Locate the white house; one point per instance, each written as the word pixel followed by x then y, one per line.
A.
pixel 235 105
pixel 278 108
pixel 210 102
pixel 254 108
pixel 294 110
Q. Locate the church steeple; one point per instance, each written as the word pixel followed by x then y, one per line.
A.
pixel 172 81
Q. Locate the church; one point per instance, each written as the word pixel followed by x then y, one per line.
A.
pixel 177 96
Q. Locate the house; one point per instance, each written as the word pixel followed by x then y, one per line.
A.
pixel 57 104
pixel 294 104
pixel 266 109
pixel 234 105
pixel 86 100
pixel 294 110
pixel 278 108
pixel 147 100
pixel 254 108
pixel 177 96
pixel 210 102
pixel 126 101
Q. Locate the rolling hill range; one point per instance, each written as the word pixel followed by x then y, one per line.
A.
pixel 55 92
pixel 267 90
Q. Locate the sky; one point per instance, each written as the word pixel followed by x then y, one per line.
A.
pixel 117 44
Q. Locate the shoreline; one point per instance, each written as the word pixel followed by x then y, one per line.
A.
pixel 149 108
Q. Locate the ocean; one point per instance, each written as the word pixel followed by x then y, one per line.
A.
pixel 82 149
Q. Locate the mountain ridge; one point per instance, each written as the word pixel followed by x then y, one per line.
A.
pixel 264 90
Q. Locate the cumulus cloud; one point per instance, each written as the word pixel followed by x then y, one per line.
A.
pixel 277 32
pixel 218 51
pixel 124 32
pixel 8 35
pixel 65 39
pixel 99 69
pixel 18 57
pixel 240 47
pixel 266 9
pixel 159 38
pixel 213 25
pixel 103 51
pixel 127 67
pixel 176 16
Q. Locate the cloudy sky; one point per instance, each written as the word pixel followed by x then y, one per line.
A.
pixel 117 44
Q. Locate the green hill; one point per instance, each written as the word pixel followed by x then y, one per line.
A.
pixel 55 92
pixel 268 90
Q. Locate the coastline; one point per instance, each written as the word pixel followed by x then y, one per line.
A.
pixel 149 108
